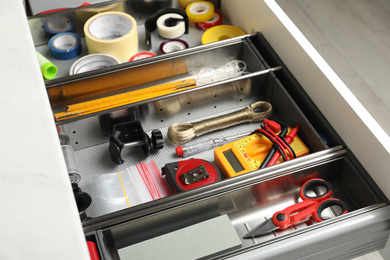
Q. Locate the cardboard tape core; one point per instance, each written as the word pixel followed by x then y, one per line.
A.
pixel 110 27
pixel 64 42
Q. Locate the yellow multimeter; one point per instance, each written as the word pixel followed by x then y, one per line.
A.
pixel 247 154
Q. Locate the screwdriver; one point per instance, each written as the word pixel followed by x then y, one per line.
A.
pixel 190 149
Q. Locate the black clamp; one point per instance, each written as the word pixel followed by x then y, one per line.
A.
pixel 151 23
pixel 130 134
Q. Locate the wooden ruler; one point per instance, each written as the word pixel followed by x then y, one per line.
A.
pixel 101 104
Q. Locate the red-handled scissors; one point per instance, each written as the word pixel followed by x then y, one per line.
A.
pixel 315 194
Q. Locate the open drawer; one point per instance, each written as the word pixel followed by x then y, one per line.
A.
pixel 89 135
pixel 245 199
pixel 248 201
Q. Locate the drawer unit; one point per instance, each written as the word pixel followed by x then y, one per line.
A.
pixel 247 199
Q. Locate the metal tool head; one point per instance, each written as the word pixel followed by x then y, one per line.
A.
pixel 261 229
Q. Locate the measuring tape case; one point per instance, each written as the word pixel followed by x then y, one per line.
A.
pixel 190 174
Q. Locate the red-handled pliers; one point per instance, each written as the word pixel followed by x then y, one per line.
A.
pixel 315 194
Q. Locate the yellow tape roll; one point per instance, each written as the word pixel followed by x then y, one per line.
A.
pixel 221 32
pixel 113 33
pixel 200 11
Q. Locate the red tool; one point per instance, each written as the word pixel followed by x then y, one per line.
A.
pixel 190 174
pixel 93 250
pixel 312 205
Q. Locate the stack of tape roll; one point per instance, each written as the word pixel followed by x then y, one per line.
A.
pixel 92 62
pixel 171 25
pixel 65 46
pixel 58 24
pixel 113 33
pixel 200 11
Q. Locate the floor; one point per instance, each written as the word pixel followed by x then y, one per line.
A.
pixel 353 36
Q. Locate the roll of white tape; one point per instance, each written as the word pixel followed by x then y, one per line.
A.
pixel 172 45
pixel 113 33
pixel 92 62
pixel 171 25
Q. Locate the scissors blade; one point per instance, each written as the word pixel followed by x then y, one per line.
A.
pixel 261 229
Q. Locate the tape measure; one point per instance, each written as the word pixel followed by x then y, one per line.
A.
pixel 190 174
pixel 247 154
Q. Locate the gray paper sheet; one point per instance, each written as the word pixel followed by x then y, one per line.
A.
pixel 205 239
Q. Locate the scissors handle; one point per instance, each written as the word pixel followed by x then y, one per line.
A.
pixel 305 209
pixel 316 189
pixel 315 194
pixel 285 218
pixel 332 202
